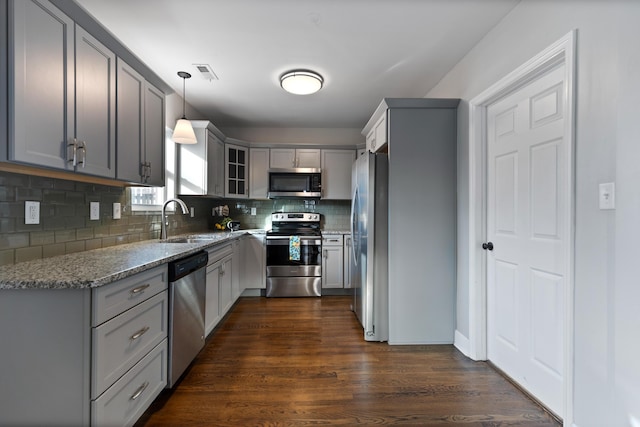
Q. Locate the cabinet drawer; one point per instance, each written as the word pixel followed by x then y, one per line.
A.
pixel 115 298
pixel 332 240
pixel 218 252
pixel 121 342
pixel 124 402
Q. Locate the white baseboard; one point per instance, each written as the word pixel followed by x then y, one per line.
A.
pixel 461 343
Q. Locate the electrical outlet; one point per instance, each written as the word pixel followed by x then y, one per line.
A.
pixel 253 211
pixel 32 212
pixel 193 211
pixel 117 213
pixel 94 211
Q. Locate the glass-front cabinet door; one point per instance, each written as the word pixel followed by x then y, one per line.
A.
pixel 236 168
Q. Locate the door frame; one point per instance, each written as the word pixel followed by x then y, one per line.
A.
pixel 561 52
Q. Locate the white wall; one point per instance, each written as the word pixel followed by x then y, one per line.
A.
pixel 607 258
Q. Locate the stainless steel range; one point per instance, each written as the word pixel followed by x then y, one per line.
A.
pixel 294 255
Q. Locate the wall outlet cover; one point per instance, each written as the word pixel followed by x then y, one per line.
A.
pixel 253 211
pixel 94 211
pixel 117 211
pixel 32 212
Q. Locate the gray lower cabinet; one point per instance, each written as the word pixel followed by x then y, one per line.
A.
pixel 219 285
pixel 140 135
pixel 84 356
pixel 332 261
pixel 62 93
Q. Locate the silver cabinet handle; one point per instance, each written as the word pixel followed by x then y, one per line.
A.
pixel 72 152
pixel 140 333
pixel 139 289
pixel 140 390
pixel 82 146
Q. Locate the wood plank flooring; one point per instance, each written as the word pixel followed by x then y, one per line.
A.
pixel 303 361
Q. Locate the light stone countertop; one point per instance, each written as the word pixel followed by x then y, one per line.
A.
pixel 99 267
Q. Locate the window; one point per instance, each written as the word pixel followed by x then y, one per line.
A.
pixel 152 198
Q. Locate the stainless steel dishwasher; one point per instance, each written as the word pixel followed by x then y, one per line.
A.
pixel 186 312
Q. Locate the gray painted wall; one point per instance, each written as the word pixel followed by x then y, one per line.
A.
pixel 607 321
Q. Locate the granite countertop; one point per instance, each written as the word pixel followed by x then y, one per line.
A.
pixel 99 267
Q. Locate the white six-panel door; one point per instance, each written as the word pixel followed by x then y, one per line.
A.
pixel 527 199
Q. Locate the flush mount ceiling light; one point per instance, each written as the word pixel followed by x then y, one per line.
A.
pixel 301 82
pixel 183 132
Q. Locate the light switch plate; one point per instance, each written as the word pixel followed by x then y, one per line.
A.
pixel 607 195
pixel 117 211
pixel 32 212
pixel 253 211
pixel 192 211
pixel 94 211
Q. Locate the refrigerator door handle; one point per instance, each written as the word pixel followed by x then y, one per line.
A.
pixel 354 225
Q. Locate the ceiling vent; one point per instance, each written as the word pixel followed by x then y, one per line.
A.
pixel 206 72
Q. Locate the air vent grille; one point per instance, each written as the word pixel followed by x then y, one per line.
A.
pixel 206 72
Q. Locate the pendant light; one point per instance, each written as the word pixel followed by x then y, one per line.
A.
pixel 301 82
pixel 183 132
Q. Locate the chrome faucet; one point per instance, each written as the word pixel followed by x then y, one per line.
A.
pixel 165 221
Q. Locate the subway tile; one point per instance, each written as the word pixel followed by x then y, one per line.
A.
pixel 25 193
pixel 7 194
pixel 14 240
pixel 7 257
pixel 21 226
pixel 53 223
pixel 74 197
pixel 53 250
pixel 64 236
pixel 101 231
pixel 74 222
pixel 13 179
pixel 73 247
pixel 37 238
pixel 28 254
pixel 65 210
pixel 93 244
pixel 7 225
pixel 63 184
pixel 84 233
pixel 40 182
pixel 11 210
pixel 53 196
pixel 108 241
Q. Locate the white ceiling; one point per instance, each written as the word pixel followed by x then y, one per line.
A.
pixel 364 49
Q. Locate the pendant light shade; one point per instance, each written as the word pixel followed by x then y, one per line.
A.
pixel 183 132
pixel 301 82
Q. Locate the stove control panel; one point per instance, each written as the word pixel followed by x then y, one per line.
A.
pixel 295 217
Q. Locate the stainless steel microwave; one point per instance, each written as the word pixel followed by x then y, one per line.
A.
pixel 303 183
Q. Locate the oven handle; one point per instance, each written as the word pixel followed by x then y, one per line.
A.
pixel 284 241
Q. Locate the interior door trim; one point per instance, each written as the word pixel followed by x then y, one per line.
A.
pixel 561 52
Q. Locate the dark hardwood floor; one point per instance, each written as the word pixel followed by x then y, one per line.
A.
pixel 303 361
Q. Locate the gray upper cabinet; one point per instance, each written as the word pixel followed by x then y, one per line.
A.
pixel 60 72
pixel 336 174
pixel 237 167
pixel 140 136
pixel 154 131
pixel 95 107
pixel 201 165
pixel 130 137
pixel 41 120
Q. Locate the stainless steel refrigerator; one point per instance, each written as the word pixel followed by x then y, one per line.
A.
pixel 369 260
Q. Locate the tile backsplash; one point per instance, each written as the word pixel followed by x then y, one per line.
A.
pixel 65 225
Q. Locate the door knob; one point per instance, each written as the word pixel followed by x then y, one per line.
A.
pixel 488 246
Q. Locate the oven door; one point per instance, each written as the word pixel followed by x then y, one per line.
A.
pixel 279 263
